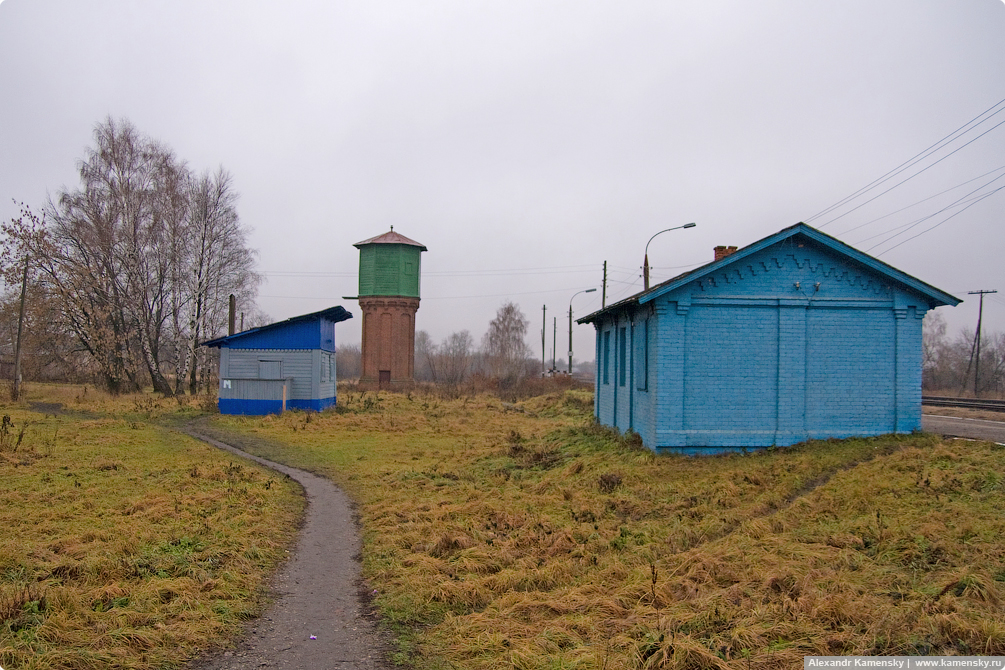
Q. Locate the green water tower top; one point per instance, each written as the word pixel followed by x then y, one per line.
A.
pixel 389 265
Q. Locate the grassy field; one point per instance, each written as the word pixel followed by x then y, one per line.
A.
pixel 496 535
pixel 522 536
pixel 125 544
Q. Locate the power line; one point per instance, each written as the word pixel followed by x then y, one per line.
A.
pixel 629 290
pixel 904 227
pixel 304 273
pixel 437 297
pixel 924 169
pixel 501 295
pixel 931 197
pixel 975 201
pixel 908 163
pixel 560 269
pixel 962 199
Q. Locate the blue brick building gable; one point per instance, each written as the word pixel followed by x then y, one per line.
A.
pixel 794 337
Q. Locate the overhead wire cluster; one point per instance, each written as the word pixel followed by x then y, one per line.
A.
pixel 622 281
pixel 890 237
pixel 504 272
pixel 565 270
pixel 885 232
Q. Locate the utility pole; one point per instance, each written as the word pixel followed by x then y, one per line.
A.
pixel 570 338
pixel 977 338
pixel 554 342
pixel 16 391
pixel 589 290
pixel 603 295
pixel 544 328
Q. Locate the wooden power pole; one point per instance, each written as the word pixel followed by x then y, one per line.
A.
pixel 603 295
pixel 544 328
pixel 16 390
pixel 977 339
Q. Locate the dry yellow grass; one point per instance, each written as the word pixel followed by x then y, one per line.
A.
pixel 503 536
pixel 126 545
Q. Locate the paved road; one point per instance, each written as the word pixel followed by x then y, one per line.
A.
pixel 977 429
pixel 317 620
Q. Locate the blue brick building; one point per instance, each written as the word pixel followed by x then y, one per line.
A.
pixel 797 336
pixel 285 365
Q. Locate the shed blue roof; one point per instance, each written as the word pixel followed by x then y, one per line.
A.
pixel 309 331
pixel 934 296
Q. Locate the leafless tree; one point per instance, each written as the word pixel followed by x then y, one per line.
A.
pixel 140 259
pixel 504 345
pixel 217 264
pixel 348 361
pixel 455 357
pixel 449 362
pixel 46 350
pixel 949 365
pixel 934 349
pixel 426 352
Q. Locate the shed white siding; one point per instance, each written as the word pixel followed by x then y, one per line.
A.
pixel 295 364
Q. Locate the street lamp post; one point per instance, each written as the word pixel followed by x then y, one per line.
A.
pixel 589 290
pixel 645 264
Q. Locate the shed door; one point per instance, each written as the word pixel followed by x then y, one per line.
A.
pixel 270 369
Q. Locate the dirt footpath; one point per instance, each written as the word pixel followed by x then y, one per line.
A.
pixel 319 618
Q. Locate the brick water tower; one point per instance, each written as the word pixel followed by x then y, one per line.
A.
pixel 389 297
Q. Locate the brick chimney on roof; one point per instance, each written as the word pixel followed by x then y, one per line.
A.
pixel 721 252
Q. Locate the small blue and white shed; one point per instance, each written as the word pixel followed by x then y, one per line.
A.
pixel 797 336
pixel 285 365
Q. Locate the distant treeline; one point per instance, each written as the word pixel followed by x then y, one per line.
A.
pixel 950 364
pixel 503 356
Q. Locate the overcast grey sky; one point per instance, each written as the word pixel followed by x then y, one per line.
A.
pixel 525 143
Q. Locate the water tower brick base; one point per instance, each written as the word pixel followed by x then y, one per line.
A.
pixel 388 341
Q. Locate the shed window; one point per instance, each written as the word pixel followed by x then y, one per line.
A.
pixel 270 369
pixel 607 356
pixel 622 357
pixel 325 368
pixel 642 355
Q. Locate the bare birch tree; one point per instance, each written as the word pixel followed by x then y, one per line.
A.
pixel 455 357
pixel 425 357
pixel 141 258
pixel 349 361
pixel 219 263
pixel 504 344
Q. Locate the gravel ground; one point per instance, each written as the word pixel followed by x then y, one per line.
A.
pixel 319 617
